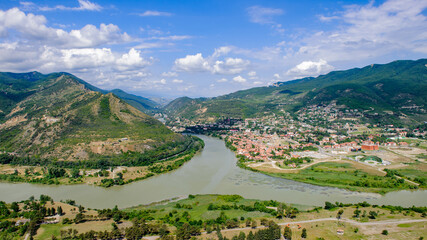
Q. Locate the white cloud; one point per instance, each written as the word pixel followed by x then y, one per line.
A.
pixel 177 81
pixel 192 63
pixel 197 63
pixel 257 83
pixel 277 76
pixel 150 45
pixel 33 27
pixel 263 15
pixel 173 38
pixel 221 51
pixel 309 68
pixel 230 66
pixel 170 74
pixel 239 79
pixel 163 81
pixel 84 5
pixel 131 61
pixel 369 32
pixel 222 80
pixel 252 74
pixel 151 13
pixel 327 19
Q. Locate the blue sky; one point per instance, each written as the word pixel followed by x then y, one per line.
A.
pixel 206 48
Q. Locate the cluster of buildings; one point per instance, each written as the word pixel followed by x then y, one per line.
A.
pixel 332 128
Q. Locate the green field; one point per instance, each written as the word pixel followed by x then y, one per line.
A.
pixel 343 175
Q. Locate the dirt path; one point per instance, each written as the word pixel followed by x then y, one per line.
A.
pixel 273 165
pixel 386 222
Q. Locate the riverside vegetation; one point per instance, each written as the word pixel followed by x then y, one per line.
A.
pixel 208 217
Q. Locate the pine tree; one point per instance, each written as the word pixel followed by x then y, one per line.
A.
pixel 304 233
pixel 288 233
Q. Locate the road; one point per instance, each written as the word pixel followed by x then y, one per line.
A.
pixel 386 222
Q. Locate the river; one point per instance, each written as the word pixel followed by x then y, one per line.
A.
pixel 213 170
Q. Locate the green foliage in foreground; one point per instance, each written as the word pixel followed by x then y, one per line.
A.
pixel 190 217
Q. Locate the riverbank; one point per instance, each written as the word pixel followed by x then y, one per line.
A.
pixel 339 173
pixel 208 216
pixel 106 177
pixel 213 170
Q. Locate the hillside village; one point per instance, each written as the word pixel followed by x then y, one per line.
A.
pixel 281 143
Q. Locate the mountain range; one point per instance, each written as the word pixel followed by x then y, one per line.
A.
pixel 396 91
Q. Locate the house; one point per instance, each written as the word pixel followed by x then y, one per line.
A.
pixel 369 147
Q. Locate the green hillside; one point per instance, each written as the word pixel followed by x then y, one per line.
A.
pixel 399 87
pixel 141 103
pixel 58 116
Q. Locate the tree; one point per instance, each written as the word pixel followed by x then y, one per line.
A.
pixel 183 232
pixel 251 236
pixel 79 218
pixel 339 214
pixel 60 211
pixel 280 210
pixel 356 213
pixel 288 233
pixel 75 173
pixel 241 236
pixel 373 214
pixel 117 217
pixel 304 233
pixel 254 224
pixel 329 205
pixel 15 207
pixel 384 232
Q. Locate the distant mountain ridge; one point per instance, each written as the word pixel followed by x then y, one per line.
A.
pixel 59 116
pixel 399 86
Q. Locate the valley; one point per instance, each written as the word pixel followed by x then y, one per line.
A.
pixel 267 143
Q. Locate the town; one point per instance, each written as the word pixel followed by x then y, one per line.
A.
pixel 318 136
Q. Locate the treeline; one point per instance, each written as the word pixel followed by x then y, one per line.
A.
pixel 332 206
pixel 32 214
pixel 169 151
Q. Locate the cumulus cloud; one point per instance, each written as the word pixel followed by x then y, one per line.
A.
pixel 33 27
pixel 84 5
pixel 222 80
pixel 239 79
pixel 308 68
pixel 131 61
pixel 151 13
pixel 192 63
pixel 197 63
pixel 370 31
pixel 230 66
